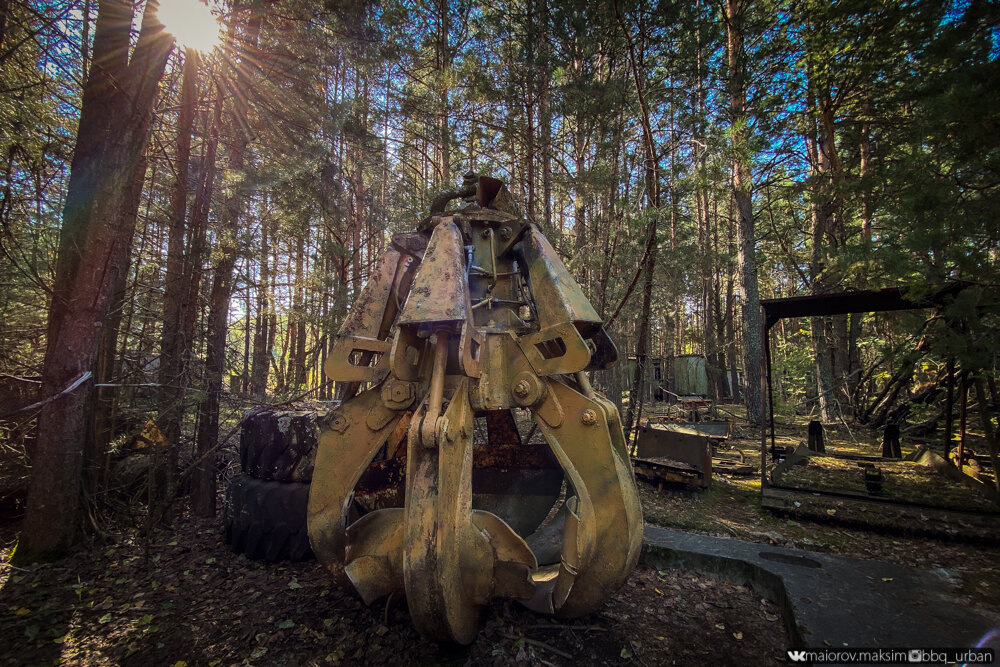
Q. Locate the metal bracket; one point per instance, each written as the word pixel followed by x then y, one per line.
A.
pixel 341 366
pixel 556 350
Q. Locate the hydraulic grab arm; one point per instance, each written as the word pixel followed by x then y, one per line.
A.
pixel 474 316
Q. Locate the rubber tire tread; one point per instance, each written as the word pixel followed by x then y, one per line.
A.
pixel 279 445
pixel 266 520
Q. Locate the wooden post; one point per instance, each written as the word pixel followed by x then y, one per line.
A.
pixel 949 407
pixel 963 398
pixel 816 437
pixel 890 442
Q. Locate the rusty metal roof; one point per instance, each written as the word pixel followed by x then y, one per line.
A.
pixel 859 301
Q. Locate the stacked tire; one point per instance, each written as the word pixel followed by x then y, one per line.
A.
pixel 264 514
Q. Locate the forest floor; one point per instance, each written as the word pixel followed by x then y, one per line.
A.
pixel 182 598
pixel 193 602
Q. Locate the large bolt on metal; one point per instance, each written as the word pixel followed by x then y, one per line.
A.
pixel 398 395
pixel 527 389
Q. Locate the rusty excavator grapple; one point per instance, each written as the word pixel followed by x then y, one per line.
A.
pixel 473 318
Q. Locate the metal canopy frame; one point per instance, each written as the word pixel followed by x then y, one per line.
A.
pixel 838 303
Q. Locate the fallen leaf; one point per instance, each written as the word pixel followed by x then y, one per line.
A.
pixel 258 652
pixel 720 626
pixel 738 635
pixel 294 584
pixel 287 623
pixel 22 612
pixel 105 619
pixel 886 578
pixel 658 591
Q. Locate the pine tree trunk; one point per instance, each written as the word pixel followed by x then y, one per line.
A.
pixel 742 184
pixel 203 487
pixel 262 338
pixel 637 68
pixel 174 348
pixel 298 324
pixel 545 118
pixel 97 228
pixel 108 365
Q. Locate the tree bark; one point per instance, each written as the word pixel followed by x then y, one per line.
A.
pixel 97 227
pixel 741 186
pixel 174 346
pixel 203 491
pixel 637 68
pixel 545 116
pixel 108 365
pixel 986 419
pixel 444 57
pixel 262 337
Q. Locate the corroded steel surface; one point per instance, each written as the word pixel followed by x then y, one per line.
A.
pixel 473 316
pixel 440 291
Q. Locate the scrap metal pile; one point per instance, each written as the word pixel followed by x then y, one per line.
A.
pixel 473 316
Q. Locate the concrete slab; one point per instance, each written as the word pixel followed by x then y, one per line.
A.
pixel 832 601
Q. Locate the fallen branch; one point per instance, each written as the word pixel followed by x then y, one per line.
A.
pixel 540 644
pixel 563 626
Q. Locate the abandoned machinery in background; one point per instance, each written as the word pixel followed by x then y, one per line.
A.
pixel 472 317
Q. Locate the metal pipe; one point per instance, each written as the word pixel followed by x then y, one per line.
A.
pixel 441 200
pixel 435 395
pixel 493 257
pixel 585 386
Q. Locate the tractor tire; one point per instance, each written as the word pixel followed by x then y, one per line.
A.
pixel 266 520
pixel 280 445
